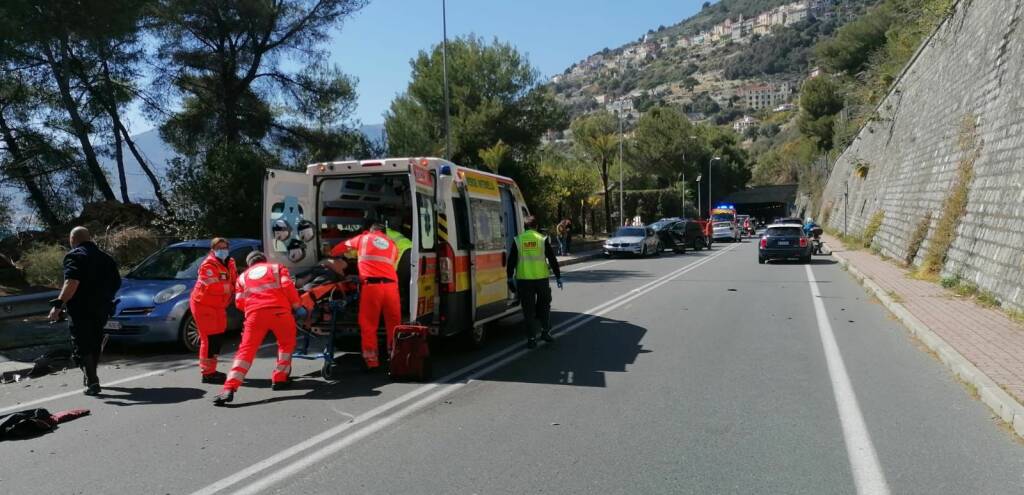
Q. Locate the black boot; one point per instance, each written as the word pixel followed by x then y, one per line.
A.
pixel 216 377
pixel 92 381
pixel 531 343
pixel 546 336
pixel 224 397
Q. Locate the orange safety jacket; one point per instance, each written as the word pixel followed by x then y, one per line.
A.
pixel 265 286
pixel 214 285
pixel 375 252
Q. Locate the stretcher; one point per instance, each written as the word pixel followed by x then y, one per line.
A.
pixel 326 305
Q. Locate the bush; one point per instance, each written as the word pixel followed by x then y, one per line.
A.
pixel 917 238
pixel 873 225
pixel 44 264
pixel 129 246
pixel 955 206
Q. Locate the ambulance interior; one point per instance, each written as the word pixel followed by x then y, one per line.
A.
pixel 346 202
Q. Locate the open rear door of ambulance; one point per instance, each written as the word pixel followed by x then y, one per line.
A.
pixel 289 216
pixel 423 291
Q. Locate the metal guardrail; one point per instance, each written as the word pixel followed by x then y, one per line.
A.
pixel 26 305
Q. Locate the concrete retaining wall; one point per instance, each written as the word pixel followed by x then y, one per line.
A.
pixel 966 82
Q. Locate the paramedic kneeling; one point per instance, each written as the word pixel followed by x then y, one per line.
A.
pixel 378 293
pixel 266 294
pixel 529 261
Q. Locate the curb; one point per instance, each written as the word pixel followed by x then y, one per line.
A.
pixel 1003 404
pixel 580 259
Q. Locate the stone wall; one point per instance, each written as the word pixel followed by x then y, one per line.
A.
pixel 963 94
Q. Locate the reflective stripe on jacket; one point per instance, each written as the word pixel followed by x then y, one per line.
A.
pixel 531 263
pixel 265 286
pixel 215 282
pixel 376 254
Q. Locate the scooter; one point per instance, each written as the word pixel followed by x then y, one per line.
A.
pixel 816 240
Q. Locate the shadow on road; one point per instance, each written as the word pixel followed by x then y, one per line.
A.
pixel 581 358
pixel 814 261
pixel 138 396
pixel 353 383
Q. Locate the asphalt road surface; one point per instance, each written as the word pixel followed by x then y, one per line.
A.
pixel 695 373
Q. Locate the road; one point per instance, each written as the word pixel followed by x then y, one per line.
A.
pixel 695 373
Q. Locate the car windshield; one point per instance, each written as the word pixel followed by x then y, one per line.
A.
pixel 629 232
pixel 173 263
pixel 785 232
pixel 661 224
pixel 723 217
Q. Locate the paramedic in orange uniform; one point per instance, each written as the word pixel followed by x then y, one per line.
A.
pixel 376 255
pixel 266 294
pixel 209 303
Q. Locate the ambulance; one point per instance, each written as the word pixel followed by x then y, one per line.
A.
pixel 462 223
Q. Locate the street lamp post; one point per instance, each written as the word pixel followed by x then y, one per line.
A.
pixel 444 71
pixel 711 161
pixel 846 205
pixel 699 204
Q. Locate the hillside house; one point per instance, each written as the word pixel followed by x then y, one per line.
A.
pixel 745 123
pixel 765 95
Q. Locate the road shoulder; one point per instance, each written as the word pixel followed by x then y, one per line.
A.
pixel 952 329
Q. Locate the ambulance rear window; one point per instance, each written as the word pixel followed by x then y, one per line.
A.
pixel 425 205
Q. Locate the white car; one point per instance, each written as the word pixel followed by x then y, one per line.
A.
pixel 726 231
pixel 633 240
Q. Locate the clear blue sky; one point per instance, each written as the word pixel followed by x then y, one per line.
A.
pixel 376 44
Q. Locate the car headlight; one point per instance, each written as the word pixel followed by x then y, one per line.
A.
pixel 168 293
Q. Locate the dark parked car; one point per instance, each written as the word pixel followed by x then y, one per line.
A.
pixel 679 234
pixel 784 241
pixel 153 300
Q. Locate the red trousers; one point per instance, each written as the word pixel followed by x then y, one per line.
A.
pixel 257 324
pixel 374 300
pixel 210 321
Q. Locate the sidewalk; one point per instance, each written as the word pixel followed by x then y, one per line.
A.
pixel 980 345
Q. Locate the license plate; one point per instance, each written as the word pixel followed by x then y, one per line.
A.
pixel 783 243
pixel 112 325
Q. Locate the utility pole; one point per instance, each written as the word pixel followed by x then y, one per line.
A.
pixel 622 190
pixel 444 71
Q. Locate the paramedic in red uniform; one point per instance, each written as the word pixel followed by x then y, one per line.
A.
pixel 376 255
pixel 209 304
pixel 266 294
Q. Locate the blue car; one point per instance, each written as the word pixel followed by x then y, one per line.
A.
pixel 153 300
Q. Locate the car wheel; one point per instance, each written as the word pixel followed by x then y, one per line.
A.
pixel 696 244
pixel 658 249
pixel 805 259
pixel 188 336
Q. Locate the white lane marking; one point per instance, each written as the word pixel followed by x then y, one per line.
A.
pixel 867 471
pixel 587 267
pixel 148 374
pixel 467 373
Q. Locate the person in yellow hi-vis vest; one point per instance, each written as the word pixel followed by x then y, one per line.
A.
pixel 402 265
pixel 530 263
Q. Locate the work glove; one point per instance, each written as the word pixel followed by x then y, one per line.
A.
pixel 301 313
pixel 512 285
pixel 558 282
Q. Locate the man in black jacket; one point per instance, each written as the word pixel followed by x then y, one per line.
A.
pixel 91 281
